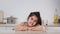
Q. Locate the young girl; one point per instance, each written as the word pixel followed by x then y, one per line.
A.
pixel 33 23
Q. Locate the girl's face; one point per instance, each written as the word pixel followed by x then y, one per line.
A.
pixel 32 21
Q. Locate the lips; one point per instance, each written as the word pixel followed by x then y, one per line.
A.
pixel 30 24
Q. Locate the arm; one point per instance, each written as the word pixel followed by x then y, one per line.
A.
pixel 38 28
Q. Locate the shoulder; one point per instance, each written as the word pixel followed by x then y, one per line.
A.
pixel 21 26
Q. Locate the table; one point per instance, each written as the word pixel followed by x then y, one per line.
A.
pixel 7 29
pixel 29 32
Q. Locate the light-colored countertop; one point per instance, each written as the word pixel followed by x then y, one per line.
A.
pixel 54 25
pixel 12 25
pixel 8 25
pixel 51 30
pixel 29 32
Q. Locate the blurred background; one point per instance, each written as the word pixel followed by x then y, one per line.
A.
pixel 16 11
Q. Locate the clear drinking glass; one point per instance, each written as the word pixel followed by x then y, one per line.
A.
pixel 45 25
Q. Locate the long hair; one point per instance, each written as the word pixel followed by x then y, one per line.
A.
pixel 37 14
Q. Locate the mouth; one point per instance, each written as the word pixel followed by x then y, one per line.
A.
pixel 30 24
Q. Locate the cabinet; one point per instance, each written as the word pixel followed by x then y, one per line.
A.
pixel 6 27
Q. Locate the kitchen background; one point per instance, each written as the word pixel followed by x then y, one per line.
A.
pixel 20 9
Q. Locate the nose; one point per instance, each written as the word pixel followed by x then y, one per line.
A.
pixel 32 21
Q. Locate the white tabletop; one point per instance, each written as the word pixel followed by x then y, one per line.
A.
pixel 29 32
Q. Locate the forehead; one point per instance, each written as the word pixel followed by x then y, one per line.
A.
pixel 34 17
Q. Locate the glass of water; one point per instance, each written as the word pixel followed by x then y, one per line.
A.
pixel 45 25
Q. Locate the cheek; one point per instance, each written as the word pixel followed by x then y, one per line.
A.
pixel 34 23
pixel 29 20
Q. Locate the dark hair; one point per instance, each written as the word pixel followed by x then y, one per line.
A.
pixel 37 14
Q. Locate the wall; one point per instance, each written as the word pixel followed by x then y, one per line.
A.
pixel 22 8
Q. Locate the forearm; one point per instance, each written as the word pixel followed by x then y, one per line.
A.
pixel 37 29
